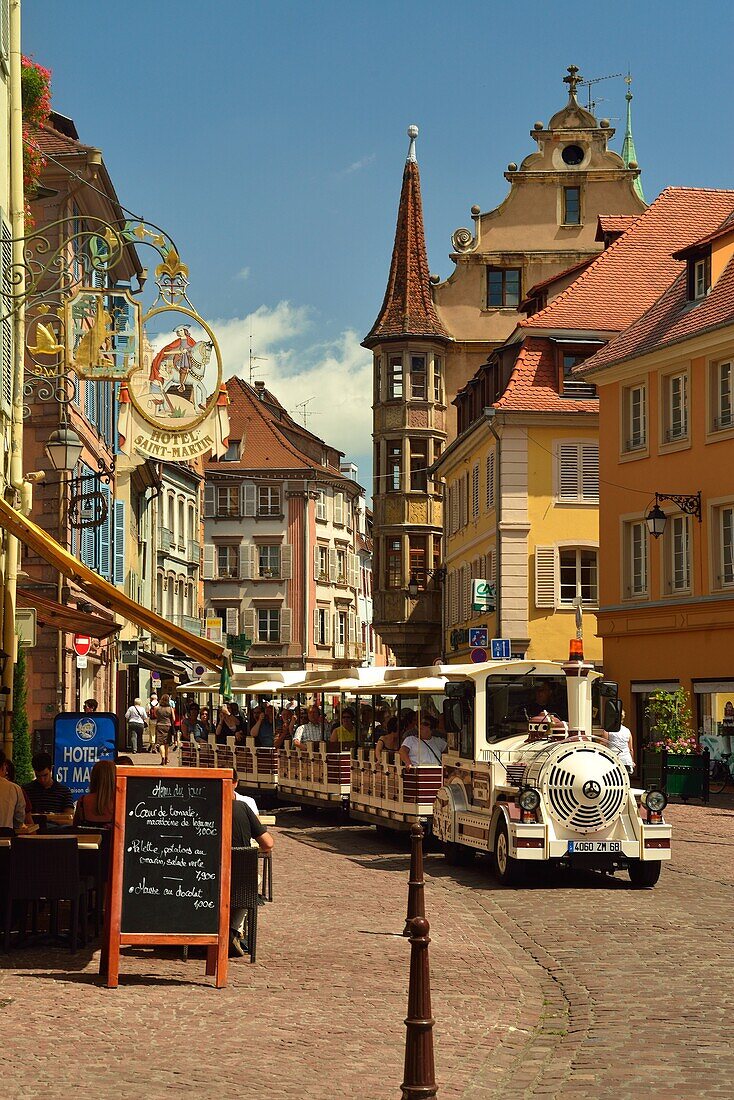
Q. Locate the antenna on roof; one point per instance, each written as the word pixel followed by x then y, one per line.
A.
pixel 255 359
pixel 305 413
pixel 591 103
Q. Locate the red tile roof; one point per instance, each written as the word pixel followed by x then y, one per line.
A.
pixel 265 445
pixel 722 231
pixel 535 290
pixel 53 143
pixel 672 319
pixel 614 223
pixel 533 386
pixel 634 271
pixel 408 309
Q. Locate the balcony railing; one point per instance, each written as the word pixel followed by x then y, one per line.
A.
pixel 721 423
pixel 194 553
pixel 636 443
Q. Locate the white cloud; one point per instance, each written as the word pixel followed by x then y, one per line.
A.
pixel 243 274
pixel 337 373
pixel 357 165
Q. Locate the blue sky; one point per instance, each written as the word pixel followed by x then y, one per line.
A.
pixel 269 137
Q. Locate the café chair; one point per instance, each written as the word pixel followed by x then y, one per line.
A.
pixel 47 869
pixel 244 891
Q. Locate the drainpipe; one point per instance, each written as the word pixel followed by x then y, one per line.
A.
pixel 490 416
pixel 17 220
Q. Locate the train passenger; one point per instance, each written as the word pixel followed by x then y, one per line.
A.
pixel 204 723
pixel 407 723
pixel 344 734
pixel 230 723
pixel 310 730
pixel 263 727
pixel 388 740
pixel 426 748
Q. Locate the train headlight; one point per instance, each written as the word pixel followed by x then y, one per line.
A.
pixel 529 799
pixel 654 800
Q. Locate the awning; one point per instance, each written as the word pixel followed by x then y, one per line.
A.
pixel 59 617
pixel 162 662
pixel 199 649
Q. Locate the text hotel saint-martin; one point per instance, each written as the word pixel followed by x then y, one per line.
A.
pixel 173 807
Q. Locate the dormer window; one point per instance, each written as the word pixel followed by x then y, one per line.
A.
pixel 232 454
pixel 699 276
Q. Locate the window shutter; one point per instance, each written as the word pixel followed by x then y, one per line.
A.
pixel 568 471
pixel 316 563
pixel 454 507
pixel 492 567
pixel 339 508
pixel 333 565
pixel 316 621
pixel 233 621
pixel 89 401
pixel 545 576
pixel 208 572
pixel 210 501
pixel 590 471
pixel 285 624
pixel 248 623
pixel 467 592
pixel 245 561
pixel 354 559
pixel 327 627
pixel 454 598
pixel 490 481
pixel 248 497
pixel 475 491
pixel 286 562
pixel 119 573
pixel 352 627
pixel 105 532
pixel 6 325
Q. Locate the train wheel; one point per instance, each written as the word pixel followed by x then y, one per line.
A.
pixel 458 855
pixel 643 876
pixel 506 869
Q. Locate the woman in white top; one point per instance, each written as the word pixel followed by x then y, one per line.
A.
pixel 137 720
pixel 621 743
pixel 426 748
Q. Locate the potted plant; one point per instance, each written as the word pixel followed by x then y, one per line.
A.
pixel 673 758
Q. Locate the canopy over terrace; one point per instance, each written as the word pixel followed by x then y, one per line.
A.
pixel 40 542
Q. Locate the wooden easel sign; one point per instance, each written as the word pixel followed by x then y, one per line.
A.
pixel 170 867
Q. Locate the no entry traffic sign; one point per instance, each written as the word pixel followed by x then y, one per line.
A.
pixel 82 644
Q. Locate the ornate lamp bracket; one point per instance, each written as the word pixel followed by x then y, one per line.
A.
pixel 689 503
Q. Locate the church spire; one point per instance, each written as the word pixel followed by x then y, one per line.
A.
pixel 629 153
pixel 408 309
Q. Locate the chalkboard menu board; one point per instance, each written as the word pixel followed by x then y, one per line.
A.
pixel 172 855
pixel 170 869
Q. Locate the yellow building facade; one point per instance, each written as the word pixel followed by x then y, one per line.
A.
pixel 522 513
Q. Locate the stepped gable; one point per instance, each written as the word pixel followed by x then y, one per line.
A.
pixel 638 267
pixel 407 308
pixel 533 386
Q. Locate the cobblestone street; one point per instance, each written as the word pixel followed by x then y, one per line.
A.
pixel 576 987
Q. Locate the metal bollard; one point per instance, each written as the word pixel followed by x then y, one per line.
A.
pixel 419 1074
pixel 416 899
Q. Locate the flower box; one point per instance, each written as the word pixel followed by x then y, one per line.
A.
pixel 682 774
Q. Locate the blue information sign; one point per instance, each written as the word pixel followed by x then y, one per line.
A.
pixel 500 649
pixel 80 740
pixel 478 637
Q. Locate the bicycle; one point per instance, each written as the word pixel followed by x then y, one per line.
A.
pixel 719 774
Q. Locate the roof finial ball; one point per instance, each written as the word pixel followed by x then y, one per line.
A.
pixel 412 134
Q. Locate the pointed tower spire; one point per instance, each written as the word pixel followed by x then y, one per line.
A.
pixel 408 309
pixel 629 153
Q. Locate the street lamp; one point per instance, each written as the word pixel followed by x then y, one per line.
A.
pixel 439 576
pixel 413 587
pixel 64 448
pixel 689 503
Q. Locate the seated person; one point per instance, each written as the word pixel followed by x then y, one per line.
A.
pixel 542 706
pixel 205 725
pixel 425 748
pixel 47 795
pixel 12 802
pixel 310 730
pixel 190 723
pixel 263 727
pixel 388 740
pixel 10 774
pixel 98 807
pixel 344 735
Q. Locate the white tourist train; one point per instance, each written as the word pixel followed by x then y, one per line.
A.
pixel 526 774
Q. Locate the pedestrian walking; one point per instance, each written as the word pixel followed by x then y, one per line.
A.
pixel 136 720
pixel 165 727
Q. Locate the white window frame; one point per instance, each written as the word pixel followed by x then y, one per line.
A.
pixel 231 569
pixel 273 617
pixel 701 278
pixel 635 441
pixel 675 406
pixel 678 545
pixel 723 403
pixel 268 501
pixel 321 504
pixel 269 560
pixel 725 519
pixel 578 551
pixel 637 559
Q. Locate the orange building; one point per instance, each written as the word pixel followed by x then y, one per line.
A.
pixel 666 612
